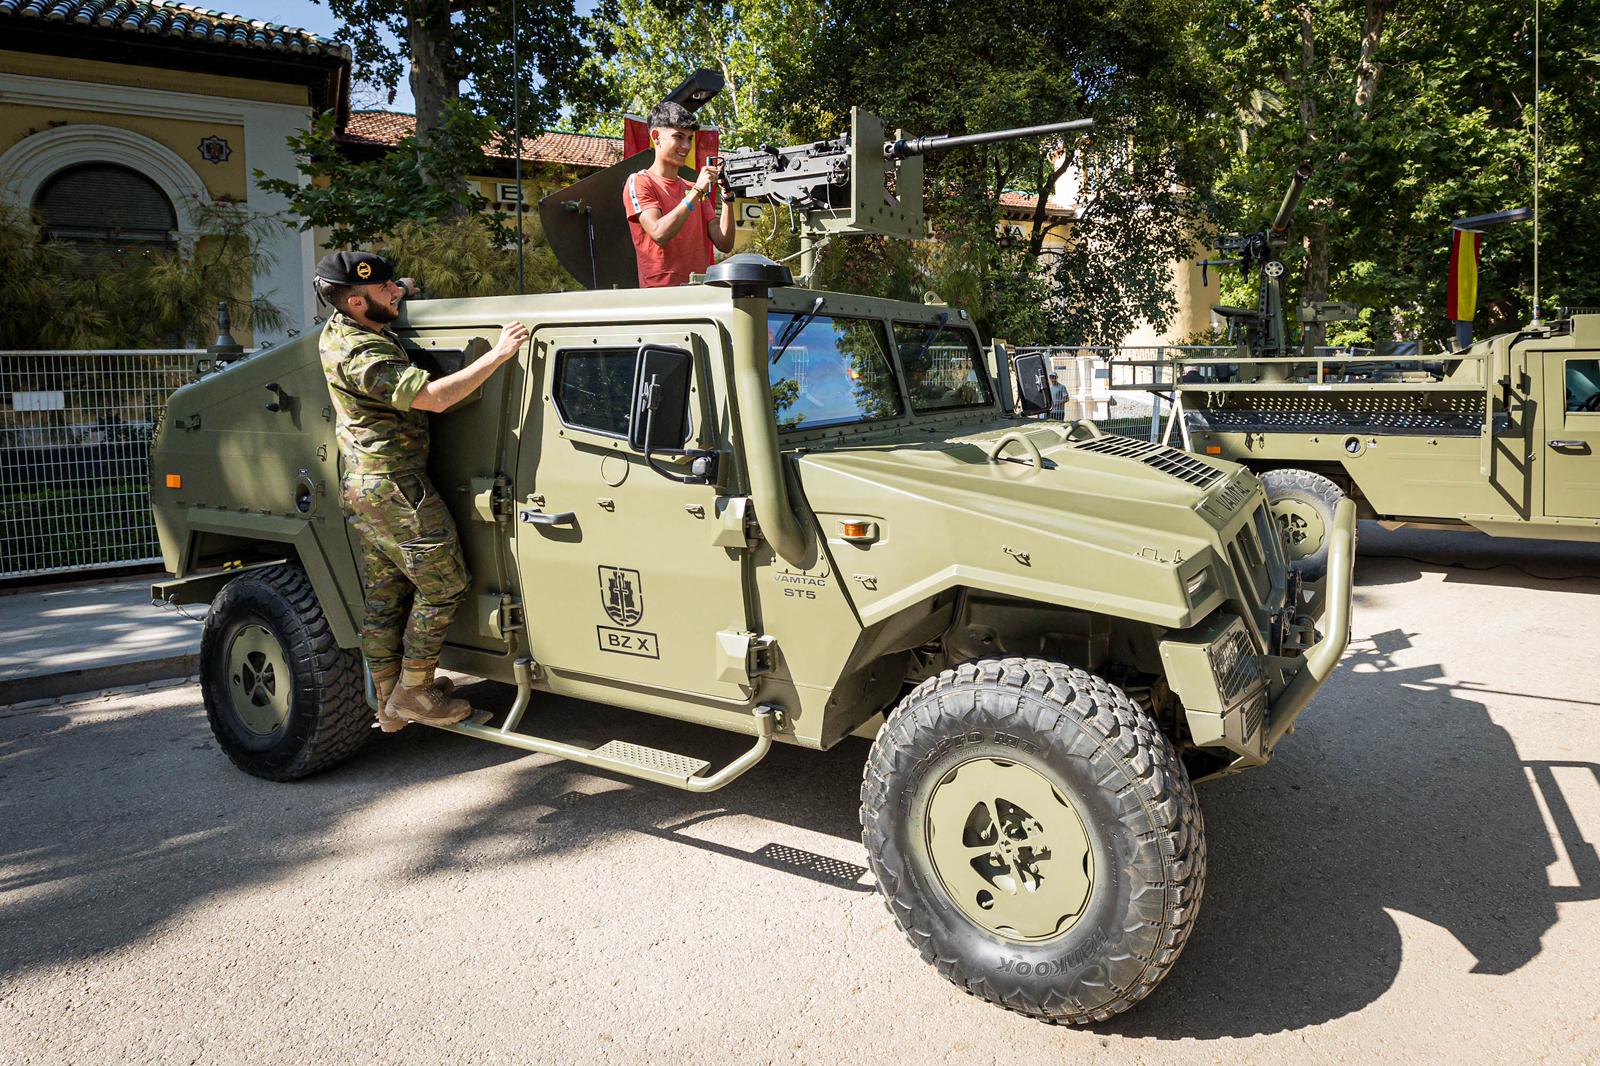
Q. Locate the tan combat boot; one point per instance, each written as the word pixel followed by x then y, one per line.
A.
pixel 385 687
pixel 423 703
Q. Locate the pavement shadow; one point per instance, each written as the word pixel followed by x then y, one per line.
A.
pixel 567 807
pixel 1417 802
pixel 114 824
pixel 1393 557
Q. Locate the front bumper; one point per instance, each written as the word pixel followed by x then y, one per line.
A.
pixel 1238 701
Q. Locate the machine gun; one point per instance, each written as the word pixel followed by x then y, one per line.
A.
pixel 1260 331
pixel 863 182
pixel 817 177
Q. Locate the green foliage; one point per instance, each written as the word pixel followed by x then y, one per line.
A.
pixel 360 201
pixel 796 67
pixel 1444 130
pixel 457 41
pixel 460 257
pixel 150 299
pixel 757 46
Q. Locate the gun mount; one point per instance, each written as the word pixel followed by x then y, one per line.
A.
pixel 863 182
pixel 1260 331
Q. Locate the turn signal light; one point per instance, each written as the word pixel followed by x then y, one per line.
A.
pixel 174 481
pixel 1212 449
pixel 853 529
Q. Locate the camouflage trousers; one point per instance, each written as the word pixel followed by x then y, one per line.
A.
pixel 411 567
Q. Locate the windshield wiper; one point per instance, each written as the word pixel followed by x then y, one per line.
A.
pixel 933 331
pixel 794 328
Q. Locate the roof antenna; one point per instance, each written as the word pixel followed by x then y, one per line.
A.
pixel 516 164
pixel 1537 315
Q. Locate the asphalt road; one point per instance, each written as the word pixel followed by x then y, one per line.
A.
pixel 1414 878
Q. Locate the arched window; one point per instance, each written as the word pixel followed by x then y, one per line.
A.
pixel 107 210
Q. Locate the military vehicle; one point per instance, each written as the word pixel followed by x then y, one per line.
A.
pixel 782 513
pixel 1502 436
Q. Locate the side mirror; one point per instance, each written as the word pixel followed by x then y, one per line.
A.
pixel 1033 384
pixel 660 422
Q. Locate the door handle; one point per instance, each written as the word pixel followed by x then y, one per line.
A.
pixel 540 518
pixel 1572 444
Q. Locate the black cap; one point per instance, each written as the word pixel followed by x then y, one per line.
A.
pixel 354 268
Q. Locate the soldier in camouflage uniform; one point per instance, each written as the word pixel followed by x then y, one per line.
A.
pixel 411 565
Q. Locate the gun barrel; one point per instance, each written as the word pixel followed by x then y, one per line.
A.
pixel 905 148
pixel 1291 199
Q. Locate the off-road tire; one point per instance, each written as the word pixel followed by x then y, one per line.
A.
pixel 1315 493
pixel 1095 747
pixel 328 720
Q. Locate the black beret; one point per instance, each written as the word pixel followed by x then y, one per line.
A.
pixel 354 268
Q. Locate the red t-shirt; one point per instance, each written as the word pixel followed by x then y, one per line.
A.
pixel 690 252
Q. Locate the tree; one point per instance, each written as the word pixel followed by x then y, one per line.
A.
pixel 1412 116
pixel 361 201
pixel 448 42
pixel 1133 66
pixel 149 300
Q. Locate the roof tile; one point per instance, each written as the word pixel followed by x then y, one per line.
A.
pixel 568 149
pixel 174 19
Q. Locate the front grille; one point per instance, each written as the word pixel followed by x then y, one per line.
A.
pixel 1180 465
pixel 1254 711
pixel 1234 664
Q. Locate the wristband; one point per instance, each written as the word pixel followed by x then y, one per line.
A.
pixel 689 198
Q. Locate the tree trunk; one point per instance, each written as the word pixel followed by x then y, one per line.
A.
pixel 1368 69
pixel 1314 286
pixel 1036 234
pixel 435 74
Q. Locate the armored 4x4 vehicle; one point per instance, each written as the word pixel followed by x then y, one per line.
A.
pixel 1502 437
pixel 782 512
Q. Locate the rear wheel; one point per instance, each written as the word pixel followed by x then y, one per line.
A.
pixel 1035 837
pixel 1303 504
pixel 283 699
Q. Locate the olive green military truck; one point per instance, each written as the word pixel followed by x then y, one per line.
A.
pixel 1502 437
pixel 782 513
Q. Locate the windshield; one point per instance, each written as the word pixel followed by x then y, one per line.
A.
pixel 835 371
pixel 941 365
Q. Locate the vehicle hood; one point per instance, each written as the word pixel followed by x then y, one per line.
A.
pixel 1103 522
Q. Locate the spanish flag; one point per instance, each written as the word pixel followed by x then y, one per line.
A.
pixel 1461 294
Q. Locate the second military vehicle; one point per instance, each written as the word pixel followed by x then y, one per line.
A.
pixel 782 512
pixel 1502 436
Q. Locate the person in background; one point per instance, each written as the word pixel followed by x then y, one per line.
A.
pixel 1058 398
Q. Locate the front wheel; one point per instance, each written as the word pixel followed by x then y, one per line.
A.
pixel 1303 504
pixel 1035 837
pixel 283 699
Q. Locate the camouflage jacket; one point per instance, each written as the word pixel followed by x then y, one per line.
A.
pixel 373 384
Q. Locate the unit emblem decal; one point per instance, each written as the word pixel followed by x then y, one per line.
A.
pixel 622 595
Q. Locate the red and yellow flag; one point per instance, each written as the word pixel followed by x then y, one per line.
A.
pixel 1461 293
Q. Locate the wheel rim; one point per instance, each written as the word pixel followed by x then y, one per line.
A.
pixel 1010 849
pixel 258 680
pixel 1301 526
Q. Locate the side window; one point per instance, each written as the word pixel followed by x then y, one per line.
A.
pixel 594 388
pixel 942 366
pixel 1583 384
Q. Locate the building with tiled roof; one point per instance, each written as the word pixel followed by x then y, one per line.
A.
pixel 380 130
pixel 119 117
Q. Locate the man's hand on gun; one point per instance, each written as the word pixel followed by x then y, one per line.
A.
pixel 710 176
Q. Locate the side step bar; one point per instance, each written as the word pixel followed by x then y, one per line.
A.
pixel 634 760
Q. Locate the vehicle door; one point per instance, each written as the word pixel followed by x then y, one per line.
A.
pixel 1571 434
pixel 621 575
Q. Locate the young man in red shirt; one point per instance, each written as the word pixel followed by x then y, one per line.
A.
pixel 673 231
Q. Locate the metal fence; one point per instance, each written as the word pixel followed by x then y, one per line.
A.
pixel 75 430
pixel 1098 380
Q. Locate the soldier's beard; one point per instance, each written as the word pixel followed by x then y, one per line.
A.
pixel 380 314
